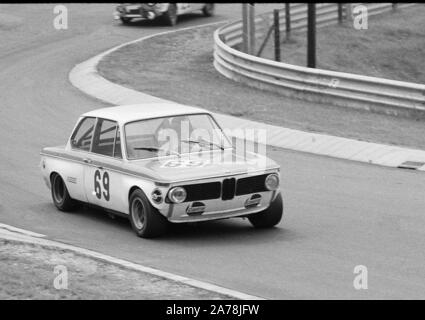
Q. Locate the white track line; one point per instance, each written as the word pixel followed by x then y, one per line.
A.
pixel 7 233
pixel 21 231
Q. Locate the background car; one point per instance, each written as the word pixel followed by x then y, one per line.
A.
pixel 167 11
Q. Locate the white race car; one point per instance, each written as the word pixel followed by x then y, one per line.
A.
pixel 167 11
pixel 159 163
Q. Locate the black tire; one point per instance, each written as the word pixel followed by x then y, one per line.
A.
pixel 208 10
pixel 170 17
pixel 145 220
pixel 60 196
pixel 270 217
pixel 125 20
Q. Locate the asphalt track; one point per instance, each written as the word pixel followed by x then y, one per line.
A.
pixel 338 214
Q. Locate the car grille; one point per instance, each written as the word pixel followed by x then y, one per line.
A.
pixel 251 185
pixel 203 191
pixel 133 11
pixel 226 190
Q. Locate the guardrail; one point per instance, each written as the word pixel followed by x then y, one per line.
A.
pixel 337 88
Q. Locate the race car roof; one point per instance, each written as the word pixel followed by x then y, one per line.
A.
pixel 128 113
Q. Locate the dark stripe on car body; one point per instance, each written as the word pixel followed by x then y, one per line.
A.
pixel 158 181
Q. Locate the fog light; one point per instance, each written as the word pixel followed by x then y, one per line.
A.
pixel 177 195
pixel 157 196
pixel 151 15
pixel 272 182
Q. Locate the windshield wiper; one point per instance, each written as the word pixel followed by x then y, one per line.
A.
pixel 155 149
pixel 202 141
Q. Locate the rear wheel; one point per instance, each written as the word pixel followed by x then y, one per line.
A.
pixel 208 10
pixel 170 16
pixel 270 217
pixel 145 220
pixel 60 195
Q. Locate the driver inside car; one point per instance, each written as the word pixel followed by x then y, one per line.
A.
pixel 172 134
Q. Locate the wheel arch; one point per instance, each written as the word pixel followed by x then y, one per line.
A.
pixel 52 173
pixel 132 189
pixel 48 178
pixel 147 189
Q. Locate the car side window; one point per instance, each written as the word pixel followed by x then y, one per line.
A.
pixel 104 137
pixel 82 136
pixel 117 150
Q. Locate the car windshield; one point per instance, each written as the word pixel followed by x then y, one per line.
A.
pixel 173 135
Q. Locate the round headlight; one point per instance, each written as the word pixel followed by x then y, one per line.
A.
pixel 272 182
pixel 177 194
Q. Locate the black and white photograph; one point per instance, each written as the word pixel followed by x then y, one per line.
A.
pixel 212 157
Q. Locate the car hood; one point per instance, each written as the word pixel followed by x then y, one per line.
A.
pixel 205 165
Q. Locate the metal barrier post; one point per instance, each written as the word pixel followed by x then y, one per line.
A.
pixel 311 36
pixel 276 35
pixel 251 24
pixel 288 21
pixel 349 11
pixel 340 13
pixel 245 27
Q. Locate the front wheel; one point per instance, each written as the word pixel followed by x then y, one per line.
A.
pixel 270 217
pixel 170 16
pixel 145 220
pixel 125 20
pixel 208 10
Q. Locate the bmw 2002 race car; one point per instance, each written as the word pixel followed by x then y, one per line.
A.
pixel 167 11
pixel 158 163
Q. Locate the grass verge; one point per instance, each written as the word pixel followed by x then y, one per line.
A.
pixel 392 47
pixel 27 272
pixel 179 67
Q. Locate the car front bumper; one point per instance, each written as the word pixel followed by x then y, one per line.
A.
pixel 140 13
pixel 218 209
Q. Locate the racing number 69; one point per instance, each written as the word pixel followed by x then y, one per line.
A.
pixel 105 183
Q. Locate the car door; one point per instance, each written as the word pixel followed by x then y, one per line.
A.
pixel 103 179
